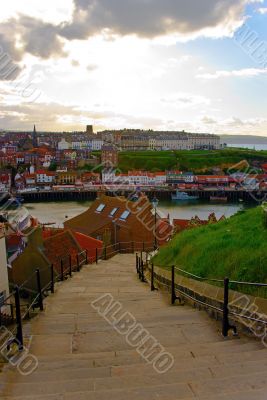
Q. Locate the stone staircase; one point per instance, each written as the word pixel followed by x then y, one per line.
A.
pixel 80 356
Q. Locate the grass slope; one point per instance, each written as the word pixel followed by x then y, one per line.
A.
pixel 194 160
pixel 236 247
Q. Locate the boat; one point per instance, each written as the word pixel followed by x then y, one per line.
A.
pixel 220 199
pixel 183 196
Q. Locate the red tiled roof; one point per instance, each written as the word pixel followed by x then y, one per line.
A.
pixel 164 230
pixel 90 244
pixel 48 232
pixel 181 223
pixel 58 246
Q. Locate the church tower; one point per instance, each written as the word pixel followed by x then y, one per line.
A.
pixel 34 137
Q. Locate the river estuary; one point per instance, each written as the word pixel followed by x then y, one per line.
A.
pixel 58 212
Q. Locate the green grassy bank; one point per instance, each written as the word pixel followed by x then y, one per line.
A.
pixel 236 247
pixel 195 160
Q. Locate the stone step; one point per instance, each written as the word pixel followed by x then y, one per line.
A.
pixel 201 380
pixel 169 392
pixel 81 356
pixel 215 368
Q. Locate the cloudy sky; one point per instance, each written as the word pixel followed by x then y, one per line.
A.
pixel 198 65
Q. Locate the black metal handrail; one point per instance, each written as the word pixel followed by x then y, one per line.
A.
pixel 200 278
pixel 225 311
pixel 82 258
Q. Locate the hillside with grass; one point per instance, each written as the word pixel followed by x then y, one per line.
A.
pixel 198 161
pixel 235 247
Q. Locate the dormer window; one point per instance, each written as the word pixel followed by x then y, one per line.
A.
pixel 100 208
pixel 113 212
pixel 125 215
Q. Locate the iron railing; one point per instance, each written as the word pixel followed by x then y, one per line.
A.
pixel 227 310
pixel 23 300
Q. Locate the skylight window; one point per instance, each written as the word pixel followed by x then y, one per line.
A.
pixel 125 215
pixel 100 208
pixel 113 212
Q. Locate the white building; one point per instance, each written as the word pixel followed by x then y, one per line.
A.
pixel 63 145
pixel 4 286
pixel 97 144
pixel 45 177
pixel 108 176
pixel 82 145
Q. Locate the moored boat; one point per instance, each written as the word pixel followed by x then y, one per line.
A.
pixel 219 199
pixel 180 196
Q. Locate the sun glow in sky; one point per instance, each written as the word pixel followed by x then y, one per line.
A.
pixel 143 64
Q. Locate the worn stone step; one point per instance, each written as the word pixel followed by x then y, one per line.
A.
pixel 171 392
pixel 233 384
pixel 249 379
pixel 81 357
pixel 216 370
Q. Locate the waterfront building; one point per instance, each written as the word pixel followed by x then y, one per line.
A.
pixel 30 179
pixel 109 176
pixel 90 177
pixel 44 177
pixel 66 177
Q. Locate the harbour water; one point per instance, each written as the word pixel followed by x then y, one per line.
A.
pixel 58 212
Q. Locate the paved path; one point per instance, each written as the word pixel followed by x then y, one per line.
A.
pixel 82 357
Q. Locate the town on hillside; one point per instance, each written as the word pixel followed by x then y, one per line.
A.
pixel 84 161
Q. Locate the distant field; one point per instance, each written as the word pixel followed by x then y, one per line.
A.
pixel 194 160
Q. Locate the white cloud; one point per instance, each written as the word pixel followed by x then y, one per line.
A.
pixel 185 100
pixel 246 72
pixel 262 10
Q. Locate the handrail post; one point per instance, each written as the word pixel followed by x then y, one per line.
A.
pixel 86 257
pixel 143 246
pixel 136 262
pixel 139 268
pixel 152 278
pixel 39 288
pixel 119 247
pixel 105 253
pixel 173 295
pixel 225 320
pixel 142 272
pixel 19 334
pixel 61 270
pixel 78 262
pixel 52 279
pixel 96 255
pixel 70 269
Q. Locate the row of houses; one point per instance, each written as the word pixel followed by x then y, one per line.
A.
pixel 135 140
pixel 124 139
pixel 108 176
pixel 48 178
pixel 185 180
